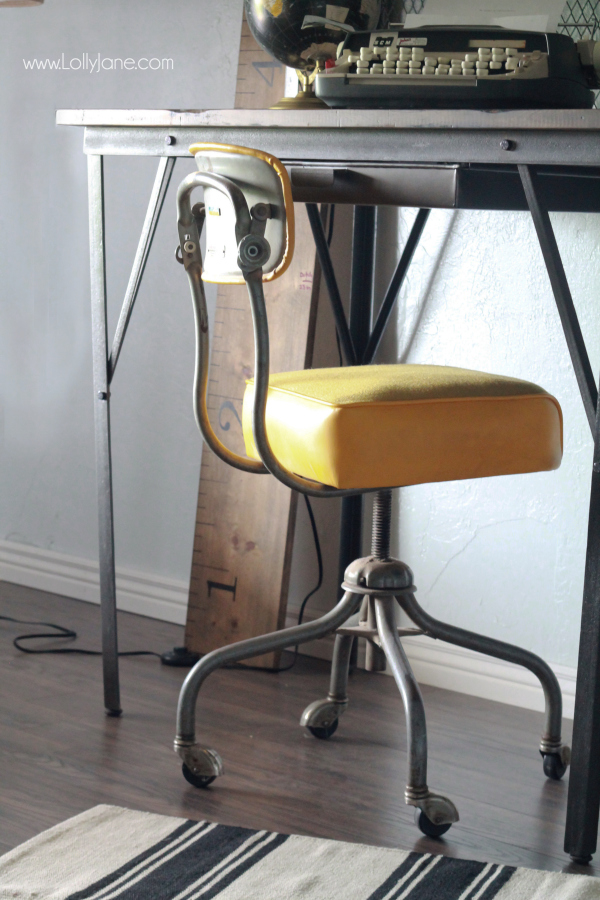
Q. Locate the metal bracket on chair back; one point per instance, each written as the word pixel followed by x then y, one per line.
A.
pixel 190 223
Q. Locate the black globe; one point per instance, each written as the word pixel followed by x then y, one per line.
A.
pixel 277 27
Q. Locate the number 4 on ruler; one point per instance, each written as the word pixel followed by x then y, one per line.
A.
pixel 270 66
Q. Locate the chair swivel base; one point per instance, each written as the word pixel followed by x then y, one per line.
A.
pixel 376 585
pixel 382 582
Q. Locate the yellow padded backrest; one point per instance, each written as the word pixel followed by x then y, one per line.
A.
pixel 263 179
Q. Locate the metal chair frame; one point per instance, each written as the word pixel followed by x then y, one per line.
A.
pixel 373 585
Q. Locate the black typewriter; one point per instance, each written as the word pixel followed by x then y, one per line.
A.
pixel 461 68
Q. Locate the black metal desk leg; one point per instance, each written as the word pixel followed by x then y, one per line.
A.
pixel 584 780
pixel 104 370
pixel 361 285
pixel 108 594
pixel 343 330
pixel 361 298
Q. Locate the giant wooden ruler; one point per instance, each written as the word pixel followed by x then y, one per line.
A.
pixel 245 522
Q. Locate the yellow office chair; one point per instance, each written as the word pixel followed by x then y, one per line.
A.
pixel 333 432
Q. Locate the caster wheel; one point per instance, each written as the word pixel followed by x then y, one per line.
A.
pixel 554 767
pixel 428 827
pixel 199 781
pixel 323 732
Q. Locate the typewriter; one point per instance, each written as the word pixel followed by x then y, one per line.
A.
pixel 460 68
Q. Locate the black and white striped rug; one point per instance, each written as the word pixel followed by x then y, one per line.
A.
pixel 109 853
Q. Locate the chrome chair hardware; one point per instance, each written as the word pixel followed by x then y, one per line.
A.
pixel 363 631
pixel 372 574
pixel 260 212
pixel 253 252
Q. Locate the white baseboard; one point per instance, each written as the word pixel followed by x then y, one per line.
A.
pixel 443 665
pixel 455 669
pixel 434 663
pixel 72 576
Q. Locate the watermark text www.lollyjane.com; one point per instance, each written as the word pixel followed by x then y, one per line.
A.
pixel 96 63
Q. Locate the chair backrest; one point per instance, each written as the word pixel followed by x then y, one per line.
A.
pixel 263 180
pixel 248 215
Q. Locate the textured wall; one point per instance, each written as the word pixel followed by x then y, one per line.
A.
pixel 47 451
pixel 502 555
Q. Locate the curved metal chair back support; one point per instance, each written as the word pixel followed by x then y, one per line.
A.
pixel 375 584
pixel 253 249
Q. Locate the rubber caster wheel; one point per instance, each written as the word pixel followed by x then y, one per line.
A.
pixel 428 827
pixel 199 781
pixel 323 732
pixel 554 767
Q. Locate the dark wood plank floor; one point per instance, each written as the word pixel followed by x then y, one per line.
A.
pixel 60 755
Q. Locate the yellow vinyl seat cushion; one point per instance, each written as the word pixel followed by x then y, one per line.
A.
pixel 387 426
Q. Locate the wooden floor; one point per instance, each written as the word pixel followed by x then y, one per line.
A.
pixel 60 755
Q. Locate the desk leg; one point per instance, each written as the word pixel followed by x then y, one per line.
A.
pixel 108 594
pixel 361 300
pixel 584 780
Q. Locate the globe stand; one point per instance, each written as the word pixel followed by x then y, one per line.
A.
pixel 306 97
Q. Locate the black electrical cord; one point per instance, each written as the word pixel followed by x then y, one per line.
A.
pixel 64 634
pixel 70 635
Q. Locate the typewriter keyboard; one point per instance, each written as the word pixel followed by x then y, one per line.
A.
pixel 415 61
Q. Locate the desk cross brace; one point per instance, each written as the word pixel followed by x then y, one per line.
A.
pixel 562 295
pixel 349 353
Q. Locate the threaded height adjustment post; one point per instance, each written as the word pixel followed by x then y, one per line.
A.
pixel 382 523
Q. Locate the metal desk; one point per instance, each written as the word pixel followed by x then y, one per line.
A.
pixel 385 142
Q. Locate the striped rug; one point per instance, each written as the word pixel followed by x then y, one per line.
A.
pixel 109 853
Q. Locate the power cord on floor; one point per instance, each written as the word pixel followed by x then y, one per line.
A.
pixel 70 635
pixel 61 633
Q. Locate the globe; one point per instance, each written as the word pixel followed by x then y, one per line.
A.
pixel 277 27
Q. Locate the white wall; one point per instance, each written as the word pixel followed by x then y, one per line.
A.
pixel 47 498
pixel 504 556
